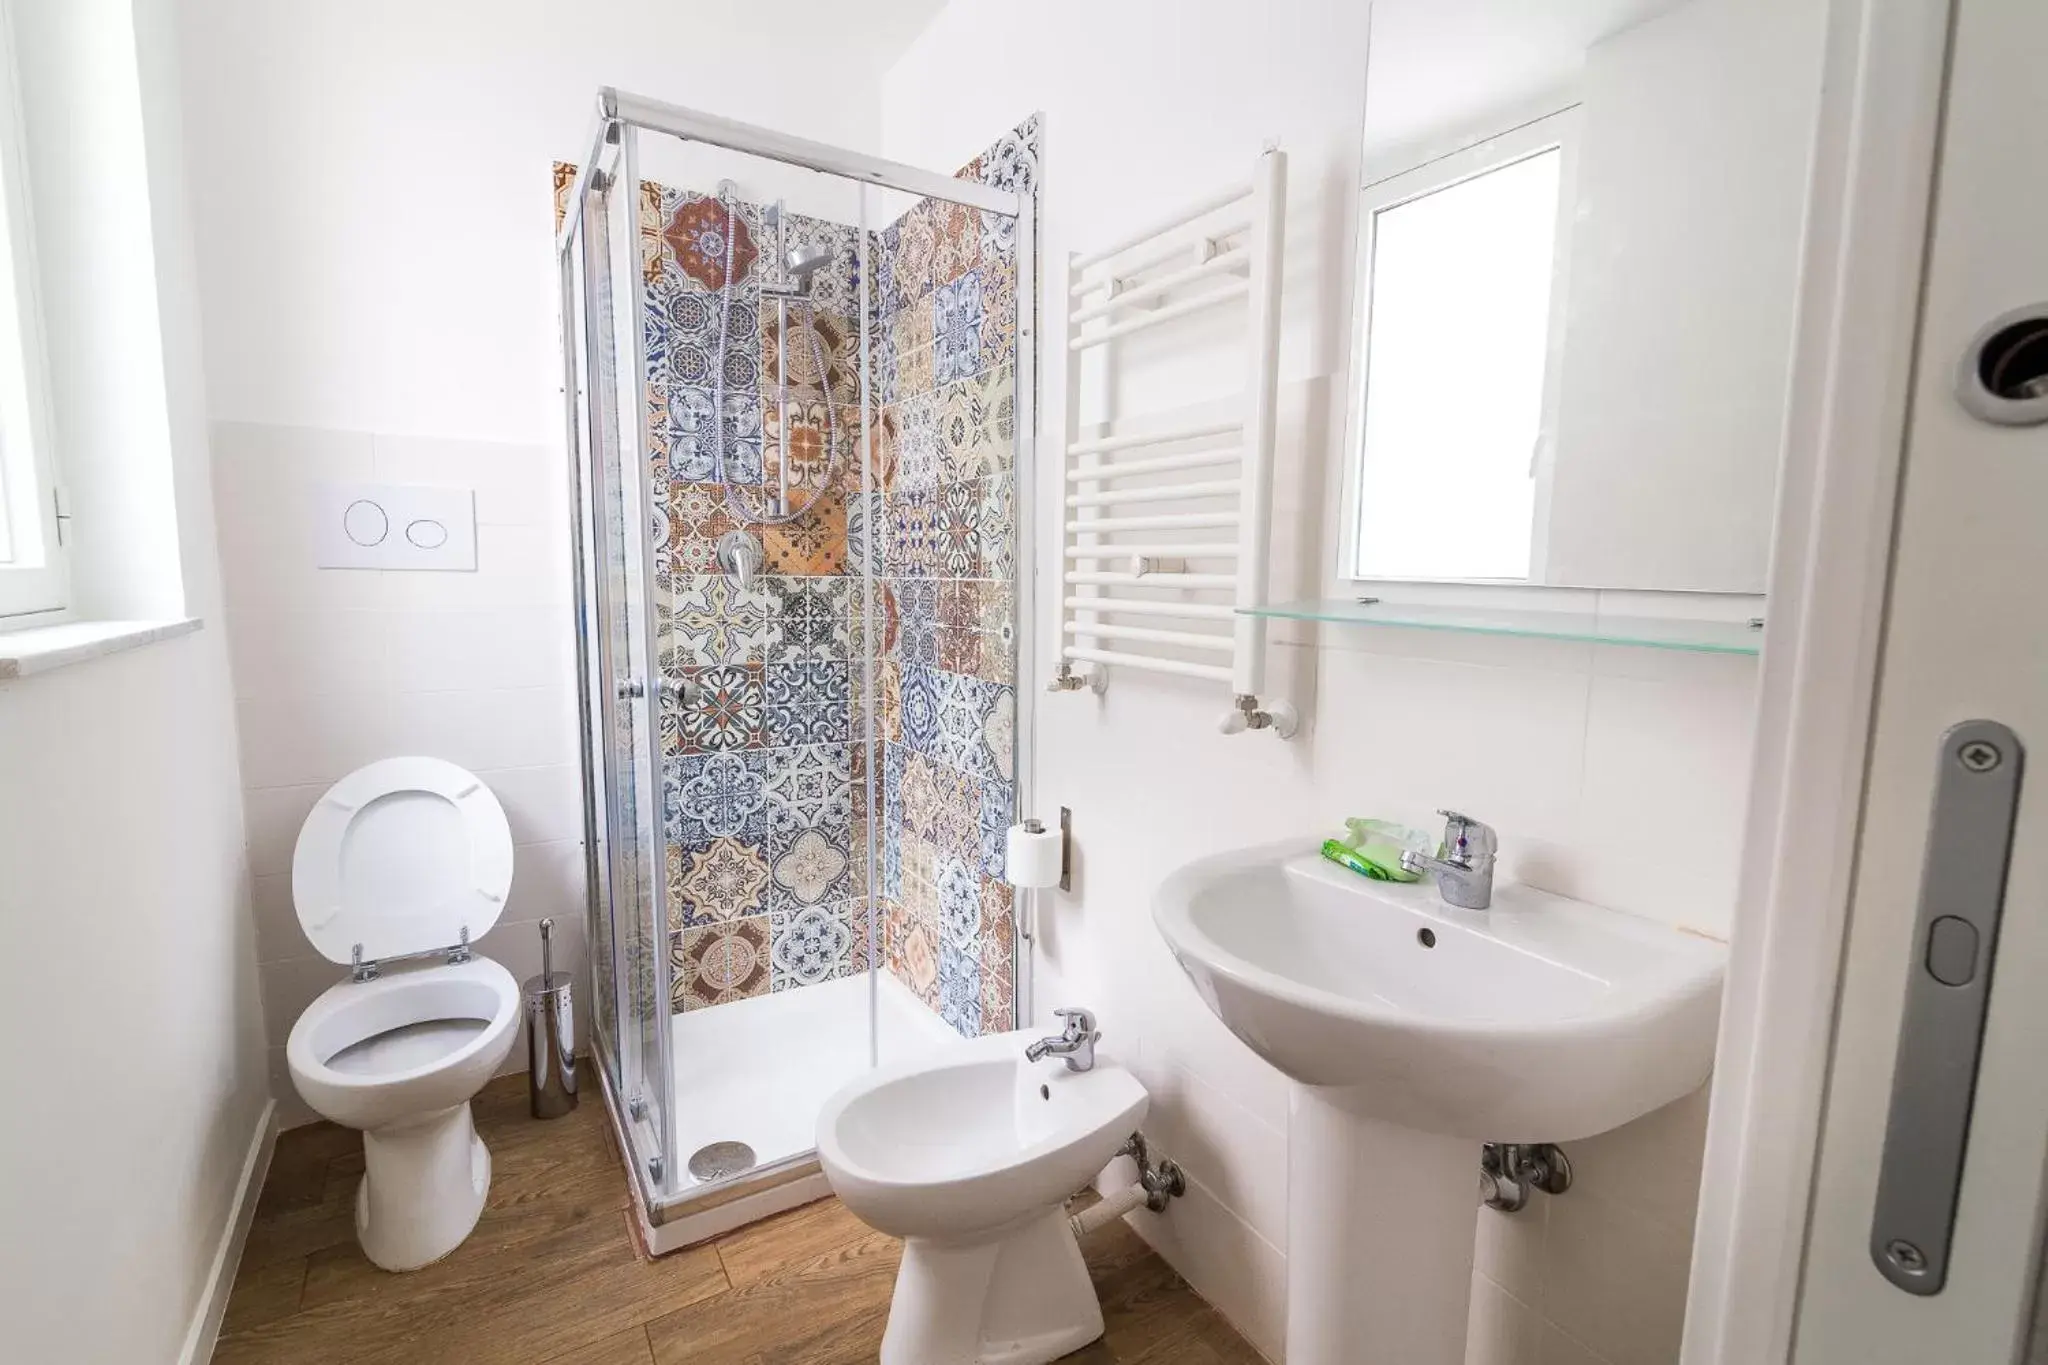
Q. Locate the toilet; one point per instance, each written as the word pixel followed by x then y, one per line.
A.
pixel 399 868
pixel 969 1156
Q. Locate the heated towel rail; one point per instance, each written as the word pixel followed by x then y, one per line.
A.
pixel 1164 526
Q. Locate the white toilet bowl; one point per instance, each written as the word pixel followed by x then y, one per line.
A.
pixel 408 858
pixel 969 1157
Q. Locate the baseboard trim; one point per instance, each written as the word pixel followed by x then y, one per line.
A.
pixel 227 1257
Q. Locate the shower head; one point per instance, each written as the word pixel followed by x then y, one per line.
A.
pixel 801 262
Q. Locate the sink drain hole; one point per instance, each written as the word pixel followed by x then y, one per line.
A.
pixel 1426 937
pixel 717 1160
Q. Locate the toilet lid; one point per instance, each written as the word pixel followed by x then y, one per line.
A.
pixel 400 857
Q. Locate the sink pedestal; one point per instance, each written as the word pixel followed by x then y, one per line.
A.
pixel 1380 1222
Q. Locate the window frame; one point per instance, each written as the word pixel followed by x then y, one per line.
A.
pixel 34 579
pixel 1557 128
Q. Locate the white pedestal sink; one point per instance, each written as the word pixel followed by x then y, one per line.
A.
pixel 1416 1032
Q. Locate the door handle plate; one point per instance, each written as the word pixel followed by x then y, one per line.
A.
pixel 1948 989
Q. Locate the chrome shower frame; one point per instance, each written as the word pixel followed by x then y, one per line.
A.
pixel 619 116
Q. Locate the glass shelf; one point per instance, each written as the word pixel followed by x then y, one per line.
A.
pixel 1651 632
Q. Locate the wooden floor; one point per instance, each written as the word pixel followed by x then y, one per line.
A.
pixel 552 1276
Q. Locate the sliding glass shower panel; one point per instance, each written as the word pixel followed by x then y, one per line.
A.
pixel 754 389
pixel 620 637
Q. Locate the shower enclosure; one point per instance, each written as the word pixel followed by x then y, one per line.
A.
pixel 798 395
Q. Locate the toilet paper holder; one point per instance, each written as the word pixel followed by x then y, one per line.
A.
pixel 1036 826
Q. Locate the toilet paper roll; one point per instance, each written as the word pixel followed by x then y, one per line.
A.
pixel 1033 858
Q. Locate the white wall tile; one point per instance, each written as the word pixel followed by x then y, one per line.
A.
pixel 1506 744
pixel 515 485
pixel 527 727
pixel 1652 1165
pixel 1508 1248
pixel 1615 1280
pixel 274 815
pixel 285 653
pixel 1239 1158
pixel 300 741
pixel 1500 1329
pixel 1667 771
pixel 1229 1264
pixel 516 566
pixel 548 879
pixel 436 651
pixel 278 935
pixel 544 805
pixel 1555 1348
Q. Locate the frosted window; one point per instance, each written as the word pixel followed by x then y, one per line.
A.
pixel 1456 345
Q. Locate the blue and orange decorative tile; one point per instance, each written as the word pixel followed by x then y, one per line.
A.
pixel 957 315
pixel 724 708
pixel 693 516
pixel 810 618
pixel 809 867
pixel 717 964
pixel 809 702
pixel 960 651
pixel 959 891
pixel 713 620
pixel 916 372
pixel 995 520
pixel 993 823
pixel 813 944
pixel 722 880
pixel 921 700
pixel 810 786
pixel 956 550
pixel 959 990
pixel 918 459
pixel 911 248
pixel 812 543
pixel 716 796
pixel 956 241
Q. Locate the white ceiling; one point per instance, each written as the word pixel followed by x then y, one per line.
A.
pixel 1439 64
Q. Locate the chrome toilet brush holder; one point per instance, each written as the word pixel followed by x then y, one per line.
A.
pixel 550 1035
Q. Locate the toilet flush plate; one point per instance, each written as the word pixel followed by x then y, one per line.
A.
pixel 394 526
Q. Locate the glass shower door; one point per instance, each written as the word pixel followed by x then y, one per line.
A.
pixel 620 678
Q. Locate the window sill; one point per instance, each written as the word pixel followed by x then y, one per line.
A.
pixel 44 648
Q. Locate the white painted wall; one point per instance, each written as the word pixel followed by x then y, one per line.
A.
pixel 123 880
pixel 373 196
pixel 372 182
pixel 1615 775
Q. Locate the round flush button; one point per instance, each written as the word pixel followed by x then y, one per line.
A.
pixel 365 522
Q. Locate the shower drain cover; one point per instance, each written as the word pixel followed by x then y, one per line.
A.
pixel 721 1159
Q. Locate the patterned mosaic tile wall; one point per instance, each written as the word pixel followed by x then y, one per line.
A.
pixel 763 775
pixel 945 523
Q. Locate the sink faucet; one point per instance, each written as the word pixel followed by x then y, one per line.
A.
pixel 1464 874
pixel 1076 1045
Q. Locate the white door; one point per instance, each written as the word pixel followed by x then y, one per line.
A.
pixel 1966 639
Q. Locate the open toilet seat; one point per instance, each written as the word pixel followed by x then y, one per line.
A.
pixel 402 857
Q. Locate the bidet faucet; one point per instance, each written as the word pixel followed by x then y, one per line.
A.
pixel 1076 1045
pixel 1464 874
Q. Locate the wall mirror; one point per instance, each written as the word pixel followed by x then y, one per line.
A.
pixel 1578 243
